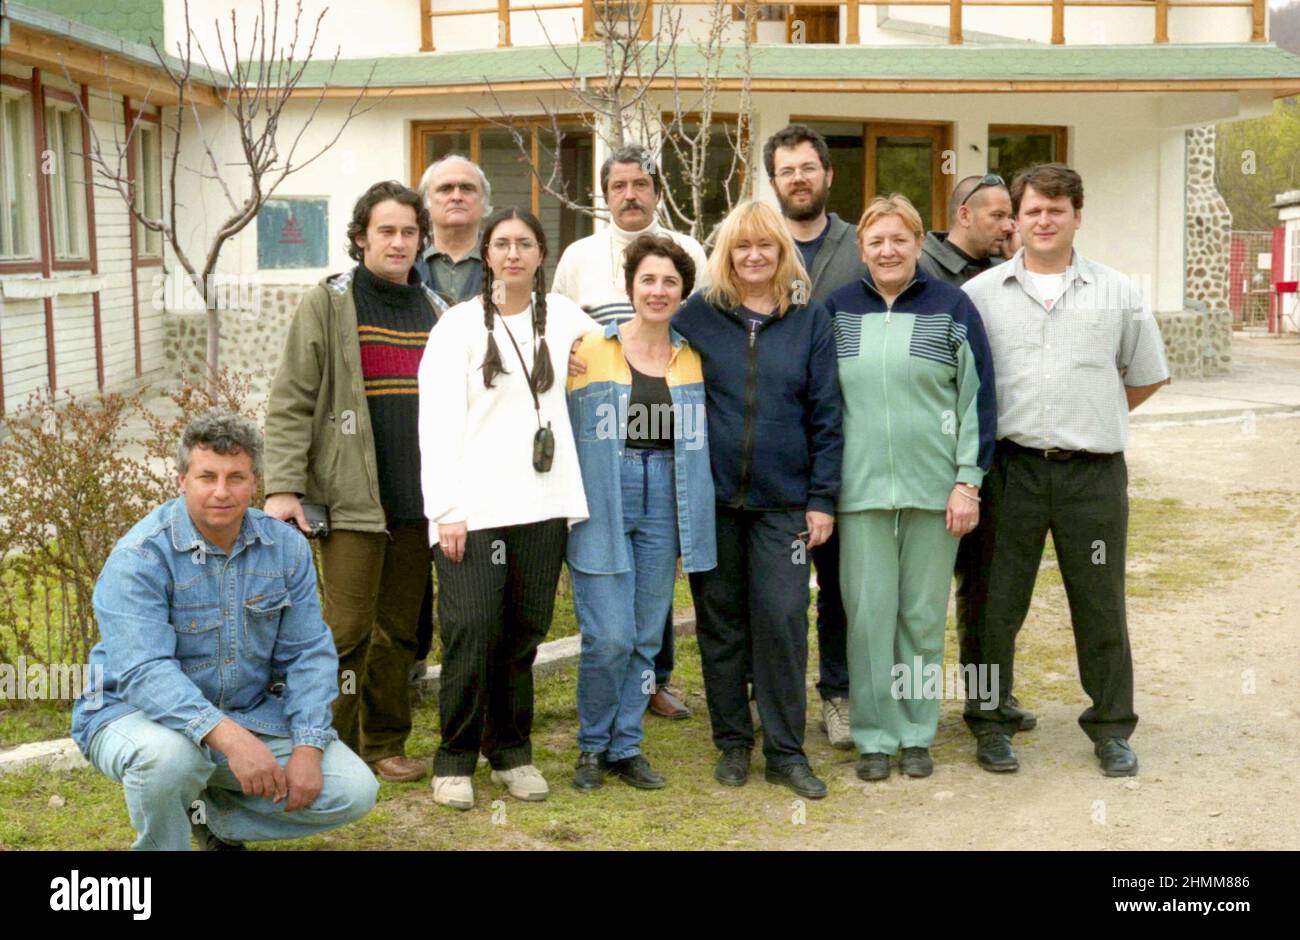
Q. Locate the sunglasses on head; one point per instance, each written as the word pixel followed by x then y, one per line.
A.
pixel 991 179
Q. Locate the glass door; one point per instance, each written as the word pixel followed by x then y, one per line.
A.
pixel 907 158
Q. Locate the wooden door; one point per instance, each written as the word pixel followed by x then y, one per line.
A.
pixel 816 24
pixel 908 158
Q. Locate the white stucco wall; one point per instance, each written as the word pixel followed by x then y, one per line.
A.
pixel 1128 147
pixel 362 27
pixel 392 27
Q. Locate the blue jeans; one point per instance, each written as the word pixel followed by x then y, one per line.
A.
pixel 163 773
pixel 621 616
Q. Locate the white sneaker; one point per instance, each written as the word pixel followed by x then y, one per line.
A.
pixel 835 722
pixel 523 783
pixel 456 792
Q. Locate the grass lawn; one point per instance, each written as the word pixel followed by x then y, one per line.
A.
pixel 1172 550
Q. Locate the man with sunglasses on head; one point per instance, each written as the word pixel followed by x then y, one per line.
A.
pixel 979 224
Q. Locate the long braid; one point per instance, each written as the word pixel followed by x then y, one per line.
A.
pixel 492 364
pixel 543 374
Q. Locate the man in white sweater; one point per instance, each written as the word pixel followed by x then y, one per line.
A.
pixel 590 273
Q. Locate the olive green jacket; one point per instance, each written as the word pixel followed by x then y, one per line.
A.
pixel 319 442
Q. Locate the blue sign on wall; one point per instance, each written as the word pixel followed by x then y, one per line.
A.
pixel 293 233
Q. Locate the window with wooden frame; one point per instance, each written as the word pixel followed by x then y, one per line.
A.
pixel 509 171
pixel 64 165
pixel 147 159
pixel 1016 147
pixel 765 13
pixel 18 214
pixel 876 158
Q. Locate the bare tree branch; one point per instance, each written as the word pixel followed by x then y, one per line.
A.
pixel 256 78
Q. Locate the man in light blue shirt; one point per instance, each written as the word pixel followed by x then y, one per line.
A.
pixel 218 671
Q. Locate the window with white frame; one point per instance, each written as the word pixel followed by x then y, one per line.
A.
pixel 148 185
pixel 64 161
pixel 17 178
pixel 1295 252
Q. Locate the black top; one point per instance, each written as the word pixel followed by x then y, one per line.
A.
pixel 650 412
pixel 393 323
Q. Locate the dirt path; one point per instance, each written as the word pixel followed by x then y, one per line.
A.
pixel 1216 657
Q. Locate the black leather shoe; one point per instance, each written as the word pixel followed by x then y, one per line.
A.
pixel 993 751
pixel 873 766
pixel 799 778
pixel 1117 758
pixel 590 773
pixel 1028 720
pixel 637 772
pixel 733 767
pixel 916 762
pixel 210 843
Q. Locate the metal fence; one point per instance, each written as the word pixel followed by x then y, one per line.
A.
pixel 1249 282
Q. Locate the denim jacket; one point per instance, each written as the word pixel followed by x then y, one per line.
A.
pixel 598 408
pixel 191 635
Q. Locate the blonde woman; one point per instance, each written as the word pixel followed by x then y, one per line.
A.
pixel 773 404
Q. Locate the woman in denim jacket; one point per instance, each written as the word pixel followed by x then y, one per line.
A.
pixel 638 418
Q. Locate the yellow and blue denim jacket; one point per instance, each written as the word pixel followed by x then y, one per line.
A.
pixel 598 408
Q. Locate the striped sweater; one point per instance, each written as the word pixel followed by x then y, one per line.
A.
pixel 393 324
pixel 917 381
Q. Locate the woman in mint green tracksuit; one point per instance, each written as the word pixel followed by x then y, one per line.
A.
pixel 919 416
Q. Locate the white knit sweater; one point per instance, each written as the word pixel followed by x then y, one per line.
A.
pixel 476 443
pixel 590 272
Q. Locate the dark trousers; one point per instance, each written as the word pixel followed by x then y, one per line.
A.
pixel 424 633
pixel 373 583
pixel 664 658
pixel 494 609
pixel 752 619
pixel 832 625
pixel 1083 503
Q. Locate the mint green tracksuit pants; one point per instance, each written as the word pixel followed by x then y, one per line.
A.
pixel 895 572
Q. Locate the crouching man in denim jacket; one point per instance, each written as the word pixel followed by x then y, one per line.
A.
pixel 218 671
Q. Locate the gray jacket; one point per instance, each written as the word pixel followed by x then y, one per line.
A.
pixel 838 261
pixel 939 259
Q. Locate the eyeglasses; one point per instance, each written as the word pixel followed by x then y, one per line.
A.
pixel 807 171
pixel 503 245
pixel 991 180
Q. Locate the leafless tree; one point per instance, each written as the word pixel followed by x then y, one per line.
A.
pixel 623 108
pixel 255 77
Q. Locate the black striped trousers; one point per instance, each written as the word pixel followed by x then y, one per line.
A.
pixel 494 609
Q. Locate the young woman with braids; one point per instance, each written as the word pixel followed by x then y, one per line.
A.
pixel 501 488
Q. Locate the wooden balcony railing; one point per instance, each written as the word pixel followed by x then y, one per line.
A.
pixel 504 8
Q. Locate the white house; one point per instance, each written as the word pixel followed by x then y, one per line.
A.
pixel 912 95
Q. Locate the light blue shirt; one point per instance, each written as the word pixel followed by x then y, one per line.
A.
pixel 1062 364
pixel 191 635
